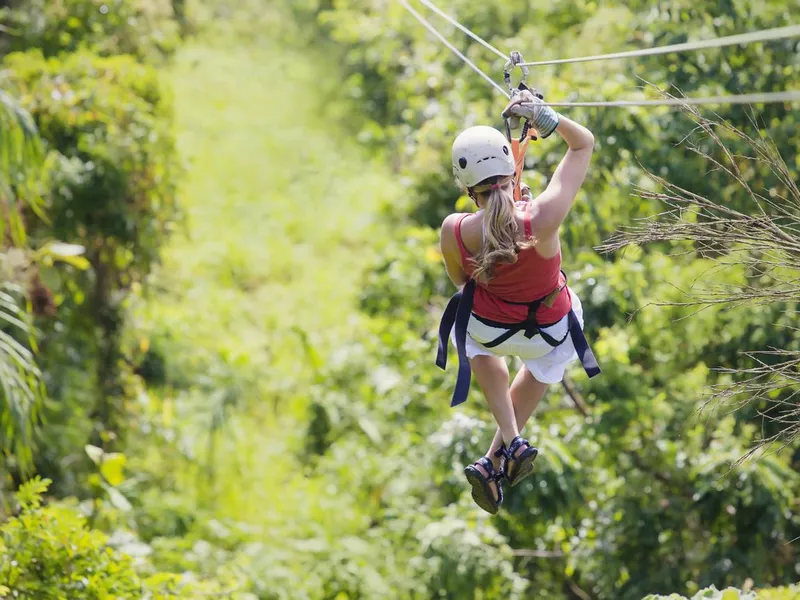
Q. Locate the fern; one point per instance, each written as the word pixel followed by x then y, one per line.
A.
pixel 21 385
pixel 29 495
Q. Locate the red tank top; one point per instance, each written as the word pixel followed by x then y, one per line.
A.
pixel 526 280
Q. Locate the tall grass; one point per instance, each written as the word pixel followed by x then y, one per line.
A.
pixel 283 209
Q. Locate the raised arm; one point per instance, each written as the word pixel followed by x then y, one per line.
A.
pixel 552 206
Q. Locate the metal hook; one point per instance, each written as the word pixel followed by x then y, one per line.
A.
pixel 514 60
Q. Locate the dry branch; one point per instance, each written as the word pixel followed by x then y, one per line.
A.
pixel 763 242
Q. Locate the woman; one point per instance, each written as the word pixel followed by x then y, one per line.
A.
pixel 513 299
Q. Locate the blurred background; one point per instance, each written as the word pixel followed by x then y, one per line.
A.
pixel 221 283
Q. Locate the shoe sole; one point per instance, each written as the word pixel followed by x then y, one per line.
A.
pixel 524 468
pixel 481 492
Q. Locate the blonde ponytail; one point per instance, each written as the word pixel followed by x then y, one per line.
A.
pixel 501 236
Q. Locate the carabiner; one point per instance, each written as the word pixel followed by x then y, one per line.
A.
pixel 514 60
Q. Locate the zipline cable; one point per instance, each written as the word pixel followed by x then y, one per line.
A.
pixel 758 98
pixel 743 38
pixel 761 98
pixel 455 50
pixel 474 36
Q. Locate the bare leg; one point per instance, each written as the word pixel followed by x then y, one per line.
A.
pixel 492 375
pixel 526 392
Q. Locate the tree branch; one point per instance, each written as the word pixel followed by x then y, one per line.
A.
pixel 577 399
pixel 530 553
pixel 577 590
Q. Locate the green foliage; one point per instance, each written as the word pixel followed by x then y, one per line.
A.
pixel 783 593
pixel 22 186
pixel 791 592
pixel 48 552
pixel 109 121
pixel 21 385
pixel 20 167
pixel 457 559
pixel 407 272
pixel 143 28
pixel 285 433
pixel 639 495
pixel 712 593
pixel 112 171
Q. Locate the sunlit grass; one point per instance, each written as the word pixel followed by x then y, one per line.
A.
pixel 282 212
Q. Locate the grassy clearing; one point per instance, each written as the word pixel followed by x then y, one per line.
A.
pixel 282 209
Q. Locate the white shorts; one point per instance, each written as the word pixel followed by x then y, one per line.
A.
pixel 546 364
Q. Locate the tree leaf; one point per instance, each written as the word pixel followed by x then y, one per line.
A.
pixel 112 468
pixel 67 253
pixel 64 249
pixel 118 499
pixel 95 453
pixel 370 429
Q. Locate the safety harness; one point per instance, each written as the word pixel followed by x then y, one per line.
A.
pixel 459 309
pixel 457 314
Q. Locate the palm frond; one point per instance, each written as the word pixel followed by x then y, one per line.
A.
pixel 21 159
pixel 21 385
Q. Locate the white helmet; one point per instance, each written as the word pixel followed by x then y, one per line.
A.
pixel 479 153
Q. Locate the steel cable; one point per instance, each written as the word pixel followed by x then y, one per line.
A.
pixel 474 36
pixel 455 50
pixel 757 36
pixel 744 38
pixel 760 98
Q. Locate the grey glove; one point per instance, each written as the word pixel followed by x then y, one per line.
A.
pixel 524 104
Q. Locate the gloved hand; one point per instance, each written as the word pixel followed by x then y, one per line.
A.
pixel 524 104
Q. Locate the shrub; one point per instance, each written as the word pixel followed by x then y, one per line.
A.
pixel 49 553
pixel 111 176
pixel 108 120
pixel 791 592
pixel 105 27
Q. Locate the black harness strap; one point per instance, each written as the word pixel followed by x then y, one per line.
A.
pixel 457 314
pixel 582 348
pixel 531 328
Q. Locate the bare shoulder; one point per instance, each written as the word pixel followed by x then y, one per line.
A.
pixel 450 221
pixel 448 233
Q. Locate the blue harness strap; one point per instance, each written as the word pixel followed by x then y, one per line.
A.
pixel 585 354
pixel 457 314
